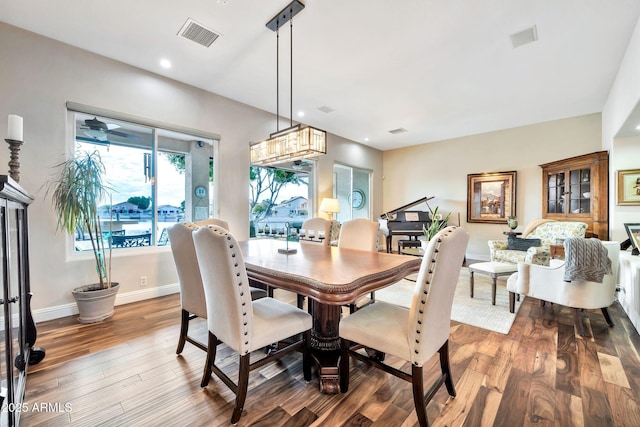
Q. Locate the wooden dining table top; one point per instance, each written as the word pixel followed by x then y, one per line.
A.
pixel 327 274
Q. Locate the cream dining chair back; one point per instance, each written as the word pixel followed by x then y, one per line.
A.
pixel 414 334
pixel 192 299
pixel 213 221
pixel 242 324
pixel 360 234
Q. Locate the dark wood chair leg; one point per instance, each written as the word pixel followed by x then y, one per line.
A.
pixel 212 346
pixel 300 301
pixel 418 395
pixel 306 356
pixel 605 313
pixel 243 385
pixel 446 368
pixel 184 329
pixel 344 365
pixel 512 302
pixel 494 284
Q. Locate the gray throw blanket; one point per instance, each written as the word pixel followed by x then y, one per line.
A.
pixel 585 259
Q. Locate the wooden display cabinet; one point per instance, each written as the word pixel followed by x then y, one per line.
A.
pixel 577 189
pixel 17 328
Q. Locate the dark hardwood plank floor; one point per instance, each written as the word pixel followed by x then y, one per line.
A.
pixel 124 372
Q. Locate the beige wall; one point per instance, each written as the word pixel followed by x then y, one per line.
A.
pixel 440 169
pixel 40 75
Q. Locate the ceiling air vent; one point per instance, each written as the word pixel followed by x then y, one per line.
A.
pixel 198 33
pixel 397 131
pixel 326 109
pixel 524 37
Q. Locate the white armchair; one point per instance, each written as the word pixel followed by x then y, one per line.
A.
pixel 547 284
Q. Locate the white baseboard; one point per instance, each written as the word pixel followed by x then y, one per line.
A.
pixel 65 310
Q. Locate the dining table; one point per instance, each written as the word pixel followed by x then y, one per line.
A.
pixel 329 277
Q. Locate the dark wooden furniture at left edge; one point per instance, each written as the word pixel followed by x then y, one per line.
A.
pixel 330 277
pixel 19 330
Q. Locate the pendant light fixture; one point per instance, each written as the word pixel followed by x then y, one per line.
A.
pixel 295 142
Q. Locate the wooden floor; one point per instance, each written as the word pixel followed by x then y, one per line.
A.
pixel 124 372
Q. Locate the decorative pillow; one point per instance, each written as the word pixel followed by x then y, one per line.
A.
pixel 517 244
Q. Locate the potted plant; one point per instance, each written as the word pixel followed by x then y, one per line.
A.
pixel 437 224
pixel 76 190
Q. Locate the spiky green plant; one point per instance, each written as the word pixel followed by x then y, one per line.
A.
pixel 436 225
pixel 77 189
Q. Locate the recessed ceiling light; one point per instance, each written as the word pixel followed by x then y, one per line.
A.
pixel 638 127
pixel 366 139
pixel 165 63
pixel 300 113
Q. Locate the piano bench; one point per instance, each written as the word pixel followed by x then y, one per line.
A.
pixel 408 244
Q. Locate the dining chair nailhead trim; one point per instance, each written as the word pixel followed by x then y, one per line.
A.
pixel 425 291
pixel 245 322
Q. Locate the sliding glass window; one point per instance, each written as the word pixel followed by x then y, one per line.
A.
pixel 152 173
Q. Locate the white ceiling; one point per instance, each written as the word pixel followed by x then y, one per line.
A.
pixel 439 69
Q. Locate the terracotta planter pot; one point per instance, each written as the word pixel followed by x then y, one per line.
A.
pixel 94 304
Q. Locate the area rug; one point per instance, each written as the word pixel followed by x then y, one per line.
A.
pixel 476 311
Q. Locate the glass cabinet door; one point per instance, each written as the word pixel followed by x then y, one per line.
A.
pixel 556 193
pixel 580 191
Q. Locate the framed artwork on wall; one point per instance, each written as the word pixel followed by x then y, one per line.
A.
pixel 629 187
pixel 491 197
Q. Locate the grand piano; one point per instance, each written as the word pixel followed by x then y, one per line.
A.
pixel 404 222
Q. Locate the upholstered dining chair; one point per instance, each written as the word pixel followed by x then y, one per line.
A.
pixel 242 324
pixel 414 334
pixel 360 234
pixel 213 221
pixel 192 299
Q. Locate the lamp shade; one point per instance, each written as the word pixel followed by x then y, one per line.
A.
pixel 329 205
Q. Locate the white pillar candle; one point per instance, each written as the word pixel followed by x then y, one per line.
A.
pixel 14 131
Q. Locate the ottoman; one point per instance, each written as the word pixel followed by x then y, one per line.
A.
pixel 493 270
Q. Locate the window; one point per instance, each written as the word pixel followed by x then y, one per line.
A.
pixel 279 195
pixel 150 172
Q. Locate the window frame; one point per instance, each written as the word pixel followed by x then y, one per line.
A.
pixel 75 108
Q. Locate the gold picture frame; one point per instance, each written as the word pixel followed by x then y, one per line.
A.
pixel 491 197
pixel 629 187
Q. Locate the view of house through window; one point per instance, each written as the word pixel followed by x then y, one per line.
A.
pixel 278 196
pixel 148 170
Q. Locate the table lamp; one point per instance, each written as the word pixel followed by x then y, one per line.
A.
pixel 330 206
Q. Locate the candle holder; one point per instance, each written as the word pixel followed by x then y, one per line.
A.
pixel 287 250
pixel 14 164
